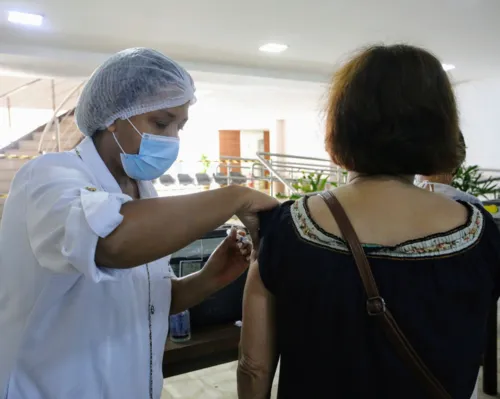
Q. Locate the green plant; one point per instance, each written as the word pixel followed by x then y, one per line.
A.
pixel 470 180
pixel 281 196
pixel 205 163
pixel 311 183
pixel 306 184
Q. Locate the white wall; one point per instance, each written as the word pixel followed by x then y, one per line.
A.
pixel 236 105
pixel 303 127
pixel 201 134
pixel 305 135
pixel 478 101
pixel 479 105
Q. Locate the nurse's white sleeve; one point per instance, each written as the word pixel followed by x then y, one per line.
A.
pixel 66 214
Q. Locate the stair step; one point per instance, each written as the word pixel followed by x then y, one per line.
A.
pixel 2 201
pixel 7 174
pixel 30 145
pixel 12 163
pixel 68 123
pixel 21 153
pixel 14 159
pixel 38 135
pixel 4 186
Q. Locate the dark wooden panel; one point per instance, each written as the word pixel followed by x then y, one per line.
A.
pixel 208 347
pixel 229 146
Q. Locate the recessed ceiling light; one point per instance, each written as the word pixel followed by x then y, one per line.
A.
pixel 448 67
pixel 24 18
pixel 273 48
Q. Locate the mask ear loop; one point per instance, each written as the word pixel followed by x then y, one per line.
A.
pixel 121 148
pixel 138 132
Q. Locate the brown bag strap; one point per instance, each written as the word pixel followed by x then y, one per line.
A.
pixel 376 306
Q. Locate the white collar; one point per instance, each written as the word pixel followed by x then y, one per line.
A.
pixel 88 153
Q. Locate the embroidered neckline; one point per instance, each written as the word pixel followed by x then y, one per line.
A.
pixel 439 244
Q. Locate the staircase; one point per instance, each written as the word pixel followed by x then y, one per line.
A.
pixel 26 103
pixel 27 148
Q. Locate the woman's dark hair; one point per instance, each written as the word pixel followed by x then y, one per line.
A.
pixel 462 148
pixel 392 110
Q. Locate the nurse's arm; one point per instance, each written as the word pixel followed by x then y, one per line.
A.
pixel 258 355
pixel 154 228
pixel 191 290
pixel 75 227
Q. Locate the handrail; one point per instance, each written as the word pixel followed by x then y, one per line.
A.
pixel 17 89
pixel 272 154
pixel 49 124
pixel 267 164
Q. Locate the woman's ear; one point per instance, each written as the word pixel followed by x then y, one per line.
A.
pixel 112 127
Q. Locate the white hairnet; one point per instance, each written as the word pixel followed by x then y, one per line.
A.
pixel 132 82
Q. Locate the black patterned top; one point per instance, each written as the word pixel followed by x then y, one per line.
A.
pixel 439 288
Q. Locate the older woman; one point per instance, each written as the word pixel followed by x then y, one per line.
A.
pixel 85 283
pixel 391 115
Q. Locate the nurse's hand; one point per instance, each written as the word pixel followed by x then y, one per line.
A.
pixel 229 260
pixel 255 202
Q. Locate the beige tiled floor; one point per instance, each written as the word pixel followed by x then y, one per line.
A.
pixel 215 383
pixel 212 383
pixel 480 394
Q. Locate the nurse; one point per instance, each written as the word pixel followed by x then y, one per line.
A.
pixel 85 283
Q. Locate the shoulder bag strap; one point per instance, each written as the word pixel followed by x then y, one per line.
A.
pixel 376 306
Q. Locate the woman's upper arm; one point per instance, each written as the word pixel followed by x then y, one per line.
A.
pixel 258 350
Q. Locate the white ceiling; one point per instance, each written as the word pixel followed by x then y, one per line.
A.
pixel 223 36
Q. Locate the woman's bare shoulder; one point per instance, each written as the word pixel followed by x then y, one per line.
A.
pixel 388 218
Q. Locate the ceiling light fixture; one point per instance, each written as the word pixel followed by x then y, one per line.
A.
pixel 23 18
pixel 273 48
pixel 448 67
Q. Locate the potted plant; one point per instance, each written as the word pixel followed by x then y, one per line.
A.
pixel 308 183
pixel 205 163
pixel 469 179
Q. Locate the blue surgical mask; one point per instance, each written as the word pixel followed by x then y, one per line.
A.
pixel 156 155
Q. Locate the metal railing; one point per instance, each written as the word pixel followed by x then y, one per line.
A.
pixel 272 168
pixel 32 94
pixel 8 98
pixel 235 170
pixel 289 169
pixel 32 104
pixel 57 122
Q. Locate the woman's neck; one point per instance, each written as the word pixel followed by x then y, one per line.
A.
pixel 354 177
pixel 111 157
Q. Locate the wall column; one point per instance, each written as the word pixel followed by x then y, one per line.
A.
pixel 277 144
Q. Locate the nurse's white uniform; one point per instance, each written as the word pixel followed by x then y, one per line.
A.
pixel 70 329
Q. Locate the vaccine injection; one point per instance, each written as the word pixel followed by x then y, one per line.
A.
pixel 240 238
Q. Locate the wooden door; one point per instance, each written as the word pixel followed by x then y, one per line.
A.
pixel 229 146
